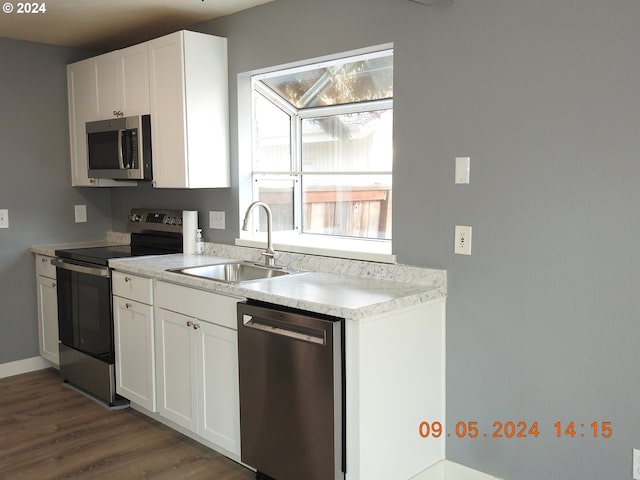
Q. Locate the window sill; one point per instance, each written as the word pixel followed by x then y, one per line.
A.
pixel 370 251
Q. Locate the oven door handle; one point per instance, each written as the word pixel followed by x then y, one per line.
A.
pixel 74 267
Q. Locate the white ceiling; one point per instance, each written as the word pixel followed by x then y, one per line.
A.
pixel 110 24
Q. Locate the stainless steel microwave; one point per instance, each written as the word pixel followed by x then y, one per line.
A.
pixel 120 148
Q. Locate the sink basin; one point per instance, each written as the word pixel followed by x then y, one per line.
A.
pixel 237 272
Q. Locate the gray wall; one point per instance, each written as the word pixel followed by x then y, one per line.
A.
pixel 542 321
pixel 35 183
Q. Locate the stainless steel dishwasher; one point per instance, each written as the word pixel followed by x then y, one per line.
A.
pixel 291 393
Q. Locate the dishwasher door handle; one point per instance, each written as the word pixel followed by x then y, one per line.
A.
pixel 309 335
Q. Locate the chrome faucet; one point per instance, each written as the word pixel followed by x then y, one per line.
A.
pixel 269 254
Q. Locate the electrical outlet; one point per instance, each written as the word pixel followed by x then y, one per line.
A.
pixel 4 218
pixel 81 213
pixel 216 220
pixel 462 245
pixel 636 464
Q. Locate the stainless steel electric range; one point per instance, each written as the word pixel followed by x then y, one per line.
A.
pixel 85 315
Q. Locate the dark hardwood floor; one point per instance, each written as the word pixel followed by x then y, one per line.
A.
pixel 48 431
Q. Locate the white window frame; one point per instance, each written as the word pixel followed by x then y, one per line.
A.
pixel 293 241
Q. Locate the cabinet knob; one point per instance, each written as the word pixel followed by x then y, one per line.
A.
pixel 53 284
pixel 118 113
pixel 92 180
pixel 189 323
pixel 127 279
pixel 196 326
pixel 128 305
pixel 43 260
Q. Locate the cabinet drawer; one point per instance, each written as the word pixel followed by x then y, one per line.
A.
pixel 133 286
pixel 208 306
pixel 44 267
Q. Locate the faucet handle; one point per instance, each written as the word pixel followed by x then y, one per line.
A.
pixel 269 258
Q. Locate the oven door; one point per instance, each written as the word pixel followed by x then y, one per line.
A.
pixel 84 309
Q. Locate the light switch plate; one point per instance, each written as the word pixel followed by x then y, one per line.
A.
pixel 81 213
pixel 462 244
pixel 216 220
pixel 4 218
pixel 463 168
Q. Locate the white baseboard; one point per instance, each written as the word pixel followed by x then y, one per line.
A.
pixel 23 366
pixel 447 470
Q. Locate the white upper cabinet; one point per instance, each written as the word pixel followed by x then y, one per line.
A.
pixel 133 63
pixel 113 84
pixel 82 109
pixel 181 80
pixel 189 110
pixel 122 82
pixel 107 88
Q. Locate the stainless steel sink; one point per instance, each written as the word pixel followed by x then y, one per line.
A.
pixel 237 272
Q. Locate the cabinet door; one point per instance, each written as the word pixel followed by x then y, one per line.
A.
pixel 220 406
pixel 176 368
pixel 133 67
pixel 135 352
pixel 189 110
pixel 122 82
pixel 168 123
pixel 48 319
pixel 82 109
pixel 107 85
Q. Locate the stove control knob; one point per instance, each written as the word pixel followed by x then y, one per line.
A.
pixel 135 217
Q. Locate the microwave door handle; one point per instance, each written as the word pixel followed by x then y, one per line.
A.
pixel 120 152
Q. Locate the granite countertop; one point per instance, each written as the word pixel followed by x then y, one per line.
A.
pixel 344 288
pixel 347 296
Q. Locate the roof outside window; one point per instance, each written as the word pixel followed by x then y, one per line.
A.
pixel 336 84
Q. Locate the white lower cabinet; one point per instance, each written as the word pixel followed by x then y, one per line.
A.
pixel 133 338
pixel 218 412
pixel 177 364
pixel 133 330
pixel 47 309
pixel 197 363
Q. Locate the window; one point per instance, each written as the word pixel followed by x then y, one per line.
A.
pixel 322 155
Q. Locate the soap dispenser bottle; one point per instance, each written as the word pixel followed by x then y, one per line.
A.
pixel 199 242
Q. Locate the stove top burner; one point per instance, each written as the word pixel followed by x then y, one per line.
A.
pixel 155 232
pixel 101 255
